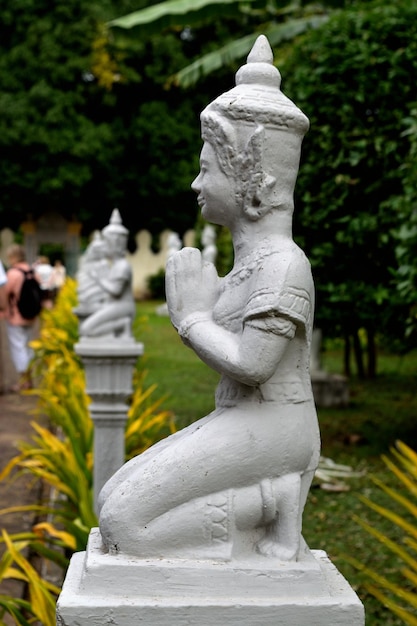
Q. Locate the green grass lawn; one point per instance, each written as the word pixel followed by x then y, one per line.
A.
pixel 380 412
pixel 186 383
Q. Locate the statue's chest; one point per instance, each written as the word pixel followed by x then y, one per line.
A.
pixel 235 292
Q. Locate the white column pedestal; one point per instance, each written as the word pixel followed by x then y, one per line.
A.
pixel 101 589
pixel 109 366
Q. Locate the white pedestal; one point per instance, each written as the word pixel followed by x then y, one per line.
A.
pixel 109 366
pixel 112 589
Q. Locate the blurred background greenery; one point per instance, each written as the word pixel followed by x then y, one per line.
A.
pixel 100 103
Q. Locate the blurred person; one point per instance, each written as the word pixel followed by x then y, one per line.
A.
pixel 58 277
pixel 19 329
pixel 44 274
pixel 3 304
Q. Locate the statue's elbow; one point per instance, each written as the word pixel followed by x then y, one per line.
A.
pixel 255 376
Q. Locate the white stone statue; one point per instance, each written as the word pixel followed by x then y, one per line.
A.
pixel 173 244
pixel 106 285
pixel 234 483
pixel 93 263
pixel 208 239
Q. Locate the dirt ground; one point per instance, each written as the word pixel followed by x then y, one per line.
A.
pixel 16 414
pixel 15 418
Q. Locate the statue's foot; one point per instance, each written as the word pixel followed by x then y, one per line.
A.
pixel 123 328
pixel 271 548
pixel 283 524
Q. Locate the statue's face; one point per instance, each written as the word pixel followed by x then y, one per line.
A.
pixel 116 244
pixel 98 252
pixel 215 190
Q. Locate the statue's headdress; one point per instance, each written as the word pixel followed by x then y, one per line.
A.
pixel 115 225
pixel 257 96
pixel 256 129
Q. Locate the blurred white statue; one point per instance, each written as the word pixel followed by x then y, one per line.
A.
pixel 235 482
pixel 114 305
pixel 208 239
pixel 93 263
pixel 174 244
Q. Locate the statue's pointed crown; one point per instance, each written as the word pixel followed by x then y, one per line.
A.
pixel 115 225
pixel 257 96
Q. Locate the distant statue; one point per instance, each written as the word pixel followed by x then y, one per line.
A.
pixel 94 263
pixel 174 244
pixel 106 285
pixel 315 353
pixel 208 239
pixel 235 482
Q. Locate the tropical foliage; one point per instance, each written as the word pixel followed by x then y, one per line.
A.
pixel 61 457
pixel 40 604
pixel 279 21
pixel 399 596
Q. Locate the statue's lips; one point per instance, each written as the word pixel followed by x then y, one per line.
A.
pixel 201 202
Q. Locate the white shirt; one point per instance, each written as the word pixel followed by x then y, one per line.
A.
pixel 3 277
pixel 43 272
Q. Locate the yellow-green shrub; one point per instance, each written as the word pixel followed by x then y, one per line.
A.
pixel 61 456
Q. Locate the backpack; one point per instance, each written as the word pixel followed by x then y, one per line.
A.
pixel 29 302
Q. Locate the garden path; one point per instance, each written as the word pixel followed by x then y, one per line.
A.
pixel 15 425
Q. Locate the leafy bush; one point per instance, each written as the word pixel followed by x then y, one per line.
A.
pixel 156 285
pixel 356 185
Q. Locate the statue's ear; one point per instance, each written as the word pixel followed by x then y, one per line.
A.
pixel 258 203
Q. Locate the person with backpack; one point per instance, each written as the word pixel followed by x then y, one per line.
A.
pixel 23 307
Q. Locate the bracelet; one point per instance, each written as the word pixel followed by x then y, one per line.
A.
pixel 192 319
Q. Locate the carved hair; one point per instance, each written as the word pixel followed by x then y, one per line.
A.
pixel 244 164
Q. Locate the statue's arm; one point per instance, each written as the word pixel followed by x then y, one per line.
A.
pixel 250 358
pixel 115 283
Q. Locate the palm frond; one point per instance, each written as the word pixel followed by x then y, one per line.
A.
pixel 238 49
pixel 387 592
pixel 173 12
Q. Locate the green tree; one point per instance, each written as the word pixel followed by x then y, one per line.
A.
pixel 406 232
pixel 83 130
pixel 352 78
pixel 51 146
pixel 87 122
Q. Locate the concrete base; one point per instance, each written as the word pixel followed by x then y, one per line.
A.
pixel 112 589
pixel 330 390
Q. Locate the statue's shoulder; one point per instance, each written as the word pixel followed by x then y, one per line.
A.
pixel 281 257
pixel 121 265
pixel 282 284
